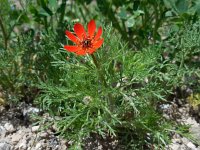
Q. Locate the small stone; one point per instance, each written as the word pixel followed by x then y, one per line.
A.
pixel 26 130
pixel 179 141
pixel 191 121
pixel 2 130
pixel 35 128
pixel 175 147
pixel 183 147
pixel 30 110
pixel 4 145
pixel 22 145
pixel 9 127
pixel 195 131
pixel 38 146
pixel 2 108
pixel 165 106
pixel 43 134
pixel 166 116
pixel 182 110
pixel 54 127
pixel 185 141
pixel 191 146
pixel 63 144
pixel 87 100
pixel 16 138
pixel 180 102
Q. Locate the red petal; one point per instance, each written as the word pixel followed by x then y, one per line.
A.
pixel 90 51
pixel 98 44
pixel 80 31
pixel 71 48
pixel 72 37
pixel 91 28
pixel 99 32
pixel 81 52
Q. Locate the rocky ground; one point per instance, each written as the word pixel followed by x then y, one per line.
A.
pixel 18 133
pixel 181 114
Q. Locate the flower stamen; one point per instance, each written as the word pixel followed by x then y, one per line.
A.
pixel 87 43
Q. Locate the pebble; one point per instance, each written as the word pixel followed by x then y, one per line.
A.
pixel 165 106
pixel 44 135
pixel 195 131
pixel 38 146
pixel 191 146
pixel 183 147
pixel 30 110
pixel 5 145
pixel 175 147
pixel 16 138
pixel 9 127
pixel 2 130
pixel 35 128
pixel 2 108
pixel 179 141
pixel 185 140
pixel 23 145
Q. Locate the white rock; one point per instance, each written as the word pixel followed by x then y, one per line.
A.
pixel 4 145
pixel 63 144
pixel 38 146
pixel 30 110
pixel 1 108
pixel 175 147
pixel 185 140
pixel 195 130
pixel 35 128
pixel 191 146
pixel 2 130
pixel 165 106
pixel 22 145
pixel 43 135
pixel 9 127
pixel 179 141
pixel 191 121
pixel 15 139
pixel 183 147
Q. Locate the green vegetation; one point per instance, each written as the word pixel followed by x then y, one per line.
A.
pixel 150 48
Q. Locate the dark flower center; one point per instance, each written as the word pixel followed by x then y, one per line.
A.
pixel 87 43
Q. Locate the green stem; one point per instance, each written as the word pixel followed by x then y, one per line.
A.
pixel 182 60
pixel 46 24
pixel 63 6
pixel 4 33
pixel 103 81
pixel 157 10
pixel 82 14
pixel 101 76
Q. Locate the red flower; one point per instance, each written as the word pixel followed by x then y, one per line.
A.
pixel 86 43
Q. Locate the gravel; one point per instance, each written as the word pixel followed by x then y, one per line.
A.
pixel 18 133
